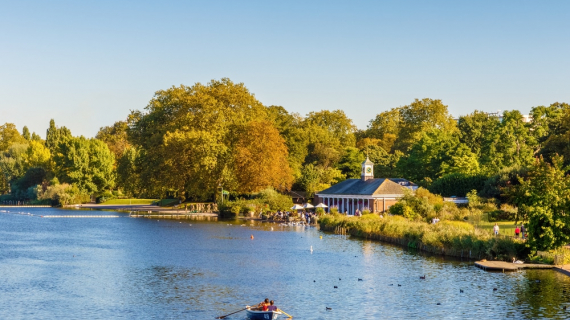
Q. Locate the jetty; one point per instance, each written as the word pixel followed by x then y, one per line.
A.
pixel 508 266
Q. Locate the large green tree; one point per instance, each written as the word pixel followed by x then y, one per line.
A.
pixel 85 163
pixel 437 153
pixel 543 199
pixel 115 137
pixel 187 137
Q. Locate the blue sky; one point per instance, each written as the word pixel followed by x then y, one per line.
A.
pixel 87 63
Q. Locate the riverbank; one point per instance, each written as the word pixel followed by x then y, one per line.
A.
pixel 449 238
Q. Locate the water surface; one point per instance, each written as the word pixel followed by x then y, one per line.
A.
pixel 129 268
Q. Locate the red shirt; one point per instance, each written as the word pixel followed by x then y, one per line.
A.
pixel 517 230
pixel 264 307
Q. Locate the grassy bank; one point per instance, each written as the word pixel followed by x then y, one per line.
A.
pixel 453 238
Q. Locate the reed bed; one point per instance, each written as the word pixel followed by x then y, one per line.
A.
pixel 450 238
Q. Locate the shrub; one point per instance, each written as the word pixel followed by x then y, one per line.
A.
pixel 457 184
pixel 63 194
pixel 501 215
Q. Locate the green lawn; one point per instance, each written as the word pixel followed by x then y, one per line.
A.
pixel 130 201
pixel 506 228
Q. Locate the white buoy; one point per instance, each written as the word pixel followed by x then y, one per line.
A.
pixel 311 249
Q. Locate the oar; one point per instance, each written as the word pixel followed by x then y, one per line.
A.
pixel 285 313
pixel 222 317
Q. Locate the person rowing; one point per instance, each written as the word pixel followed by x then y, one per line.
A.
pixel 272 306
pixel 262 306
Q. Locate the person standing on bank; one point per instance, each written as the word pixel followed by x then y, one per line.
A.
pixel 496 229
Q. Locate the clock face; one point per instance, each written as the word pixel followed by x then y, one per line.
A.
pixel 368 170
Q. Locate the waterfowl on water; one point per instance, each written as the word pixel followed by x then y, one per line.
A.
pixel 439 304
pixel 423 277
pixel 460 290
pixel 399 285
pixel 359 279
pixel 327 308
pixel 335 287
pixel 495 289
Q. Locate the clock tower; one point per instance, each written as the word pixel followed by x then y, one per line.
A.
pixel 367 170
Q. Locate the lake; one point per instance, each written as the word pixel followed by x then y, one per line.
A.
pixel 135 268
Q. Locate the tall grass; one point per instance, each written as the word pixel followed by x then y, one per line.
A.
pixel 452 238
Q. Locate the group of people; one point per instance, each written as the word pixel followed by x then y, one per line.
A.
pixel 306 216
pixel 519 231
pixel 266 305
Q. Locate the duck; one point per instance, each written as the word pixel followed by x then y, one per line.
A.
pixel 399 285
pixel 423 277
pixel 439 304
pixel 495 289
pixel 460 290
pixel 335 287
pixel 359 279
pixel 327 308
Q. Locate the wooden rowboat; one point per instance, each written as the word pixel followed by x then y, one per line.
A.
pixel 262 315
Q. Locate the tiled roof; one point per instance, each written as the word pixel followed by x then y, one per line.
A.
pixel 368 187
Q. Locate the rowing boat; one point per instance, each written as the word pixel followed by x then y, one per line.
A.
pixel 262 315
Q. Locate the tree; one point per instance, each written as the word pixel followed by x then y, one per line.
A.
pixel 475 130
pixel 290 127
pixel 385 127
pixel 115 137
pixel 551 127
pixel 509 145
pixel 437 153
pixel 544 199
pixel 317 178
pixel 26 133
pixel 260 159
pixel 128 172
pixel 351 162
pixel 419 117
pixel 12 165
pixel 187 137
pixel 55 135
pixel 85 163
pixel 9 135
pixel 38 155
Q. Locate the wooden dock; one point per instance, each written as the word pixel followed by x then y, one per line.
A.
pixel 508 266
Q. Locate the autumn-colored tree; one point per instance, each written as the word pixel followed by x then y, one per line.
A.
pixel 115 137
pixel 187 137
pixel 9 135
pixel 260 159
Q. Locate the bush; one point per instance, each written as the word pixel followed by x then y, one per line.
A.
pixel 494 185
pixel 501 215
pixel 457 184
pixel 63 194
pixel 105 196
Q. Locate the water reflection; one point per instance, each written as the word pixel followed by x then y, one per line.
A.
pixel 138 268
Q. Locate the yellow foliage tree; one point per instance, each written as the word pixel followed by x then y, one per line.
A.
pixel 260 159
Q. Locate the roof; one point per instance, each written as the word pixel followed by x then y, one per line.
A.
pixel 368 187
pixel 403 182
pixel 368 162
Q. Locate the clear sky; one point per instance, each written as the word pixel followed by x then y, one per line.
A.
pixel 87 63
